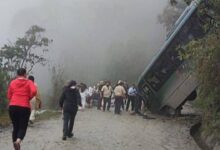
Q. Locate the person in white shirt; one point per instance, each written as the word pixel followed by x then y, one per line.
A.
pixel 132 93
pixel 84 95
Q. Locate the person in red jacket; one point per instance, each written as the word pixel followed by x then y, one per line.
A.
pixel 20 92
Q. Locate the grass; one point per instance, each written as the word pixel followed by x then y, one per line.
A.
pixel 48 114
pixel 4 119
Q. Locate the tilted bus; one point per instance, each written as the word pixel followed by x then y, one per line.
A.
pixel 166 84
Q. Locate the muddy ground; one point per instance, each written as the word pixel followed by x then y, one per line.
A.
pixel 96 130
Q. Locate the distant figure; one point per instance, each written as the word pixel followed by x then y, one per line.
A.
pixel 100 85
pixel 119 93
pixel 132 95
pixel 84 95
pixel 35 102
pixel 106 95
pixel 125 99
pixel 20 92
pixel 90 96
pixel 138 103
pixel 69 102
pixel 95 96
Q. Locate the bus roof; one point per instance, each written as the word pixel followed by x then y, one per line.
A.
pixel 187 13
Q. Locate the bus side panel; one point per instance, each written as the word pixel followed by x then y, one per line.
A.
pixel 170 86
pixel 182 92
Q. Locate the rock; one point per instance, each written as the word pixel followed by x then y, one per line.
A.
pixel 217 147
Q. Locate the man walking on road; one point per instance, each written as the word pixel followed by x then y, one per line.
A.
pixel 106 95
pixel 69 102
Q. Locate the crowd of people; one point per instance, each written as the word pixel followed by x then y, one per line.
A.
pixel 104 96
pixel 24 100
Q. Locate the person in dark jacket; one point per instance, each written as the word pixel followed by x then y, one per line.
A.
pixel 69 102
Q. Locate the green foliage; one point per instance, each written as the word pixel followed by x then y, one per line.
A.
pixel 3 86
pixel 4 119
pixel 204 57
pixel 25 52
pixel 48 114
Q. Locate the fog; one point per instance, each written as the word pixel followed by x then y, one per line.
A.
pixel 92 39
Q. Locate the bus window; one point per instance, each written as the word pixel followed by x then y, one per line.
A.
pixel 153 81
pixel 191 30
pixel 173 56
pixel 147 90
pixel 160 73
pixel 163 69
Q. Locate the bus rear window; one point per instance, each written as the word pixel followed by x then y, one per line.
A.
pixel 173 56
pixel 153 80
pixel 147 91
pixel 160 73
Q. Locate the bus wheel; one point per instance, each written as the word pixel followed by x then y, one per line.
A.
pixel 168 111
pixel 178 111
pixel 192 96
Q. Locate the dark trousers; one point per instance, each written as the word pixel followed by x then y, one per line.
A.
pixel 99 103
pixel 123 104
pixel 68 122
pixel 19 117
pixel 138 103
pixel 108 101
pixel 132 100
pixel 118 103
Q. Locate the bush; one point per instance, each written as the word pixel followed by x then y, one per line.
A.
pixel 204 55
pixel 3 88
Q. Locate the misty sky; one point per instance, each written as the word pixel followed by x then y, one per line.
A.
pixel 86 31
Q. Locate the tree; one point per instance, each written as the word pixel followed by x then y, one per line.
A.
pixel 171 13
pixel 204 57
pixel 58 81
pixel 25 52
pixel 173 2
pixel 3 100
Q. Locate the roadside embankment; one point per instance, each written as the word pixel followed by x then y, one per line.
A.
pixel 205 141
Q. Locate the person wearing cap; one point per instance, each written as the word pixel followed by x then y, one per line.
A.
pixel 20 92
pixel 106 95
pixel 119 93
pixel 69 102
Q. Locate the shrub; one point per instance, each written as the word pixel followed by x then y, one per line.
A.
pixel 3 88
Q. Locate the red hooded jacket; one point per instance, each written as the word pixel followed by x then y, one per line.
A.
pixel 21 91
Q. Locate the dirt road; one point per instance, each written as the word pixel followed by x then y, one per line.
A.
pixel 96 130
